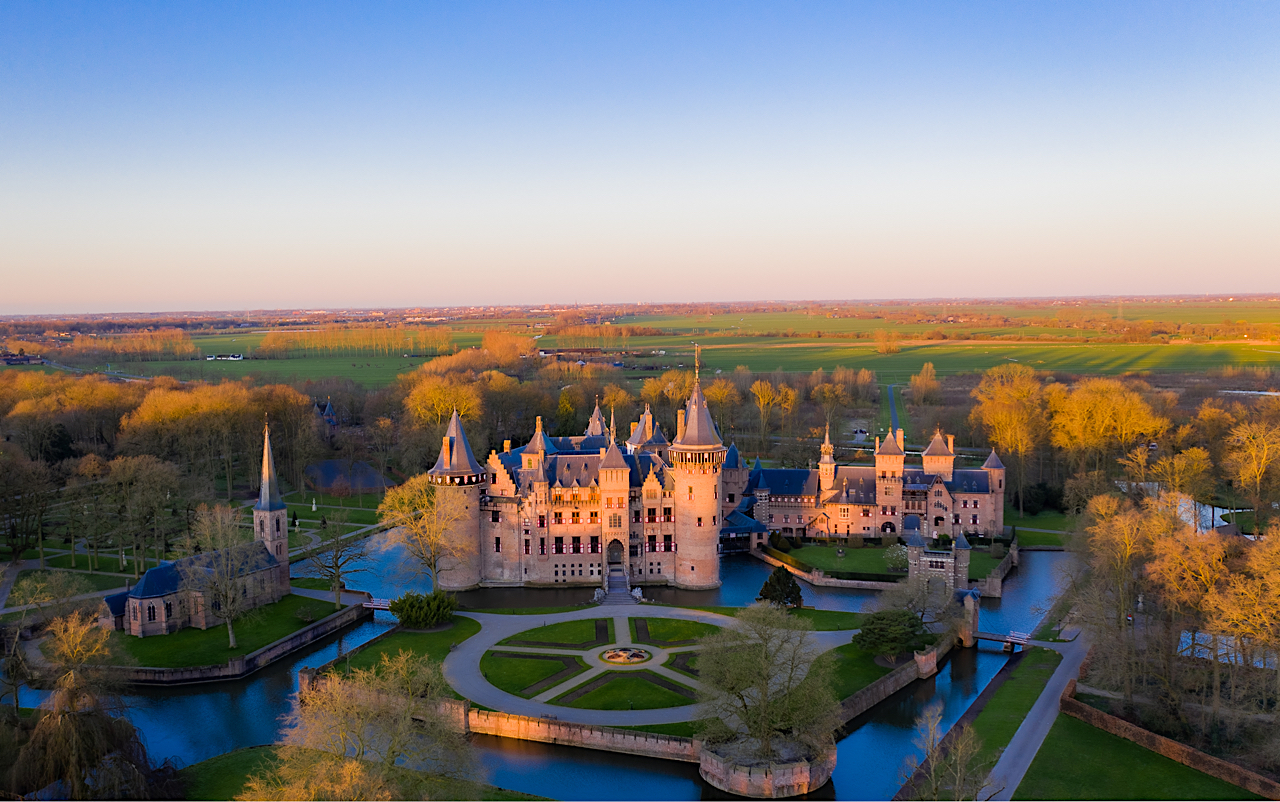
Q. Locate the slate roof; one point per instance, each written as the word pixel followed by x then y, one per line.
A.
pixel 785 481
pixel 732 459
pixel 116 601
pixel 889 447
pixel 459 461
pixel 539 443
pixel 166 578
pixel 962 543
pixel 993 462
pixel 596 425
pixel 613 458
pixel 970 480
pixel 938 447
pixel 269 494
pixel 648 432
pixel 699 429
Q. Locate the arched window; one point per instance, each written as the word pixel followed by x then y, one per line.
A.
pixel 262 526
pixel 151 612
pixel 277 526
pixel 168 609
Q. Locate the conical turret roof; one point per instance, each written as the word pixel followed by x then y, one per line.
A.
pixel 699 429
pixel 993 462
pixel 455 455
pixel 269 494
pixel 596 425
pixel 889 447
pixel 540 443
pixel 938 447
pixel 613 459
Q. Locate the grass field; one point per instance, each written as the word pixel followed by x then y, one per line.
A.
pixel 671 664
pixel 107 561
pixel 1011 702
pixel 1080 761
pixel 206 647
pixel 514 674
pixel 829 620
pixel 869 559
pixel 855 669
pixel 1047 519
pixel 96 581
pixel 981 563
pixel 673 629
pixel 627 691
pixel 225 777
pixel 567 633
pixel 432 644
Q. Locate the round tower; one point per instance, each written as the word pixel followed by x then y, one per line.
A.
pixel 697 457
pixel 457 474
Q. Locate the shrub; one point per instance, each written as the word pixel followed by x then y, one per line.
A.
pixel 890 632
pixel 895 557
pixel 781 589
pixel 784 545
pixel 418 611
pixel 997 550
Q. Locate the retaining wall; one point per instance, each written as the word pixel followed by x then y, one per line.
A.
pixel 587 736
pixel 1186 755
pixel 875 693
pixel 773 781
pixel 992 585
pixel 238 667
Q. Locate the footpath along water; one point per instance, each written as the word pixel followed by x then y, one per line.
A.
pixel 193 723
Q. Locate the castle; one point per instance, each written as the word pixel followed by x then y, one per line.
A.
pixel 573 510
pixel 162 602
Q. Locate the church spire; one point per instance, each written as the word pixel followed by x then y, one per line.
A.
pixel 269 494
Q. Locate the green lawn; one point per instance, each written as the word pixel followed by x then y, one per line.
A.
pixel 433 644
pixel 627 691
pixel 567 633
pixel 310 583
pixel 1026 538
pixel 1047 519
pixel 869 559
pixel 673 629
pixel 225 777
pixel 95 581
pixel 854 670
pixel 981 563
pixel 1080 761
pixel 106 562
pixel 1011 702
pixel 514 674
pixel 829 620
pixel 671 664
pixel 205 647
pixel 350 512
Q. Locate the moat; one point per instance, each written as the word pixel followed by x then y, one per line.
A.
pixel 194 723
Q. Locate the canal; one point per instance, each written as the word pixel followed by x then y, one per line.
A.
pixel 193 723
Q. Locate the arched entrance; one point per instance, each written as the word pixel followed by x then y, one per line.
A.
pixel 888 528
pixel 615 552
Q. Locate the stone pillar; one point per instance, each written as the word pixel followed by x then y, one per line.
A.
pixel 969 622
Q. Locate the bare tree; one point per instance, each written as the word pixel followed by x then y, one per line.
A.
pixel 423 517
pixel 952 767
pixel 218 577
pixel 764 685
pixel 335 558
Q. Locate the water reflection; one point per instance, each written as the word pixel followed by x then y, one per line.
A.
pixel 197 722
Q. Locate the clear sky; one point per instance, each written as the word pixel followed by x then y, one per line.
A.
pixel 223 155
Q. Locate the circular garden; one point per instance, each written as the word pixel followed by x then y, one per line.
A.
pixel 587 664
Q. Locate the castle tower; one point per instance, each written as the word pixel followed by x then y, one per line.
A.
pixel 270 516
pixel 457 472
pixel 827 465
pixel 697 456
pixel 940 457
pixel 615 490
pixel 890 459
pixel 994 518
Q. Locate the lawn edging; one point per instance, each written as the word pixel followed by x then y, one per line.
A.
pixel 818 578
pixel 1175 751
pixel 307 675
pixel 237 667
pixel 924 665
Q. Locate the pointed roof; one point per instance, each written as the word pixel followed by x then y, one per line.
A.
pixel 732 460
pixel 613 459
pixel 993 462
pixel 962 543
pixel 938 447
pixel 539 443
pixel 647 431
pixel 699 429
pixel 889 448
pixel 455 455
pixel 828 450
pixel 596 425
pixel 756 465
pixel 269 494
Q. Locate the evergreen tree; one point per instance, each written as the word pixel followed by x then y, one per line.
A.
pixel 781 589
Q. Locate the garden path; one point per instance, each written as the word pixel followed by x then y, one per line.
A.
pixel 462 666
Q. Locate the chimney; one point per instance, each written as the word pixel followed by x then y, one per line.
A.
pixel 951 443
pixel 634 424
pixel 602 453
pixel 506 446
pixel 680 425
pixel 901 447
pixel 877 442
pixel 537 424
pixel 445 456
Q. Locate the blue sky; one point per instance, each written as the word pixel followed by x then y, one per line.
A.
pixel 250 155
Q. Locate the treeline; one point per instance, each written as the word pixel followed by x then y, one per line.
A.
pixel 145 346
pixel 346 341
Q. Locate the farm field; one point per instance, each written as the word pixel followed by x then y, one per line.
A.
pixel 368 371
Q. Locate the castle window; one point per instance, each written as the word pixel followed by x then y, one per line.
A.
pixel 542 546
pixel 279 550
pixel 542 522
pixel 973 520
pixel 277 526
pixel 575 517
pixel 975 504
pixel 262 526
pixel 558 546
pixel 770 517
pixel 866 512
pixel 699 520
pixel 595 544
pixel 497 545
pixel 615 521
pixel 666 514
pixel 786 519
pixel 653 543
pixel 884 510
pixel 713 520
pixel 844 512
pixel 526 545
pixel 893 510
pixel 595 516
pixel 635 516
pixel 557 517
pixel 937 565
pixel 495 516
pixel 576 546
pixel 652 515
pixel 151 612
pixel 168 609
pixel 730 498
pixel 964 503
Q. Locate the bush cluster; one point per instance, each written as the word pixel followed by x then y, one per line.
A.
pixel 419 611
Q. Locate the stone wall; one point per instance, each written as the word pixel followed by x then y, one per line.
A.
pixel 774 781
pixel 586 736
pixel 238 667
pixel 875 693
pixel 993 584
pixel 1187 756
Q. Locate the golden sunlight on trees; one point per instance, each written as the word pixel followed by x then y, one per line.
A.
pixel 433 399
pixel 1100 419
pixel 766 398
pixel 1011 410
pixel 423 516
pixel 1253 461
pixel 924 386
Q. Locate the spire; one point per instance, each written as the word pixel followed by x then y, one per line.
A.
pixel 596 425
pixel 993 462
pixel 540 443
pixel 269 493
pixel 613 430
pixel 699 429
pixel 697 363
pixel 455 458
pixel 828 450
